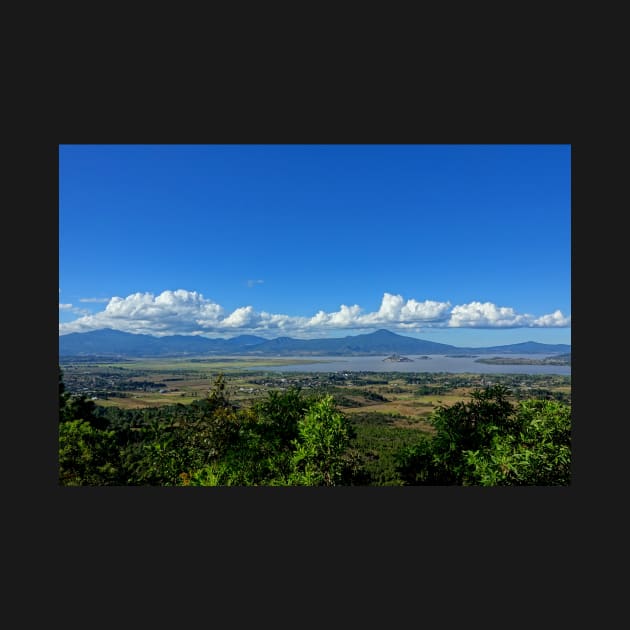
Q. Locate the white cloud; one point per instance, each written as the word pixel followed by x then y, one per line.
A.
pixel 345 316
pixel 171 312
pixel 319 319
pixel 426 311
pixel 93 300
pixel 253 283
pixel 242 317
pixel 488 315
pixel 390 307
pixel 188 312
pixel 555 319
pixel 412 313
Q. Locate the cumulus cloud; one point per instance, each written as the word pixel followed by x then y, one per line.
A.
pixel 171 312
pixel 190 313
pixel 242 317
pixel 488 315
pixel 485 315
pixel 411 313
pixel 94 300
pixel 553 320
pixel 393 312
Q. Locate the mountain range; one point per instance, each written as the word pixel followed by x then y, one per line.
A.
pixel 108 342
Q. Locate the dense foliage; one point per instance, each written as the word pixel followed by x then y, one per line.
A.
pixel 290 439
pixel 490 442
pixel 286 439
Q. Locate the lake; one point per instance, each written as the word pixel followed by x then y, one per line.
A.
pixel 435 363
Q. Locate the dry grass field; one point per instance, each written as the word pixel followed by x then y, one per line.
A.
pixel 158 382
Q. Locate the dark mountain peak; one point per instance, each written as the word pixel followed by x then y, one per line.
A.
pixel 107 332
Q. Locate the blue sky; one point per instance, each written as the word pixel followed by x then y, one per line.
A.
pixel 463 244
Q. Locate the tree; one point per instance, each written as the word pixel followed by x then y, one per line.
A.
pixel 261 453
pixel 538 455
pixel 277 416
pixel 184 441
pixel 286 440
pixel 321 449
pixel 490 442
pixel 87 456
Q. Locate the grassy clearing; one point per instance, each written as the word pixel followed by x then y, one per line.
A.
pixel 146 400
pixel 408 405
pixel 394 408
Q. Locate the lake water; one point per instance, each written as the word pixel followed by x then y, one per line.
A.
pixel 435 363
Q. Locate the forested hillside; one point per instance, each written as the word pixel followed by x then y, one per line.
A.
pixel 292 439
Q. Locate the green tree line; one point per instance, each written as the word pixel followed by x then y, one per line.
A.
pixel 291 439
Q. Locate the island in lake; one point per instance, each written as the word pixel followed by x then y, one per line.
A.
pixel 559 359
pixel 396 358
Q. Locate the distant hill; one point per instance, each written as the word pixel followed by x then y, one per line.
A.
pixel 527 347
pixel 108 342
pixel 379 342
pixel 115 343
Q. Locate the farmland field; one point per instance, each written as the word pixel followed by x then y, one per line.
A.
pixel 411 396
